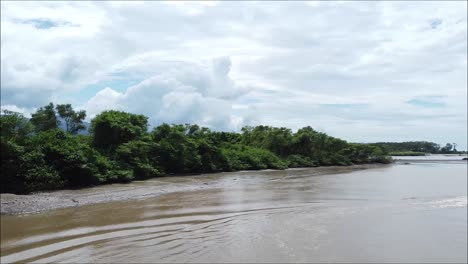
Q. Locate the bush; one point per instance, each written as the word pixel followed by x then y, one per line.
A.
pixel 112 128
pixel 11 177
pixel 77 163
pixel 120 175
pixel 382 159
pixel 297 161
pixel 137 156
pixel 240 157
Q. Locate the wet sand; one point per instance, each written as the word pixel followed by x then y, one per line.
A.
pixel 38 202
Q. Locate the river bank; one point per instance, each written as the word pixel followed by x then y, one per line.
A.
pixel 43 201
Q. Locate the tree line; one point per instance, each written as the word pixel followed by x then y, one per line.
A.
pixel 411 148
pixel 37 155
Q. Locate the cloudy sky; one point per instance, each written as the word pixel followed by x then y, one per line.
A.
pixel 361 71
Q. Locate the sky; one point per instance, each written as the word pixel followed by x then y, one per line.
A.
pixel 361 71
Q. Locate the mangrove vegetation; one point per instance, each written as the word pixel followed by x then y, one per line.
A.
pixel 417 148
pixel 49 151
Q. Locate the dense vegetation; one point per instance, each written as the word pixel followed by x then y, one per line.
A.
pixel 37 155
pixel 417 148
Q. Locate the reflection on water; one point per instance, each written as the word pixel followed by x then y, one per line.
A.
pixel 410 213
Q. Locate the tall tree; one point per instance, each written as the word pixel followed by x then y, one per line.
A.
pixel 112 128
pixel 73 120
pixel 45 118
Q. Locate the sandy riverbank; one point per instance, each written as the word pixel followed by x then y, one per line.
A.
pixel 43 201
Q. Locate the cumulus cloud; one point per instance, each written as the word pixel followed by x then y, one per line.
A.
pixel 187 94
pixel 106 99
pixel 25 111
pixel 364 71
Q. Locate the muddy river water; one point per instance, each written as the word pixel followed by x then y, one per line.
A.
pixel 414 212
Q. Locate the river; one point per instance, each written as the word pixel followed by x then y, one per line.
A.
pixel 414 212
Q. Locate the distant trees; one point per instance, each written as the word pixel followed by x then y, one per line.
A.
pixel 447 149
pixel 415 147
pixel 47 117
pixel 73 120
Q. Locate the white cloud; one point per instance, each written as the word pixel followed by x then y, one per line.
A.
pixel 184 94
pixel 227 64
pixel 106 99
pixel 25 111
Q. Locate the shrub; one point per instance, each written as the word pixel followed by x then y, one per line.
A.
pixel 296 161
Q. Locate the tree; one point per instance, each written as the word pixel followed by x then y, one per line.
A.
pixel 10 175
pixel 277 140
pixel 14 126
pixel 73 120
pixel 45 118
pixel 120 149
pixel 177 152
pixel 112 128
pixel 447 149
pixel 137 156
pixel 410 146
pixel 75 162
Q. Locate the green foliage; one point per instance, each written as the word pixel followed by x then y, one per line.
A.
pixel 416 147
pixel 112 128
pixel 138 156
pixel 10 169
pixel 177 152
pixel 211 157
pixel 241 157
pixel 38 175
pixel 448 148
pixel 361 153
pixel 330 159
pixel 277 140
pixel 297 161
pixel 218 138
pixel 45 118
pixel 25 170
pixel 120 175
pixel 78 164
pixel 119 149
pixel 73 120
pixel 14 126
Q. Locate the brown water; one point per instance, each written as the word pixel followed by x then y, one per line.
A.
pixel 395 213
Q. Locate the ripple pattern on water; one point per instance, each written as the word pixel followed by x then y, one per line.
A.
pixel 390 214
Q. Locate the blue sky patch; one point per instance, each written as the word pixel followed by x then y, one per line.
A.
pixel 427 101
pixel 119 82
pixel 435 23
pixel 41 23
